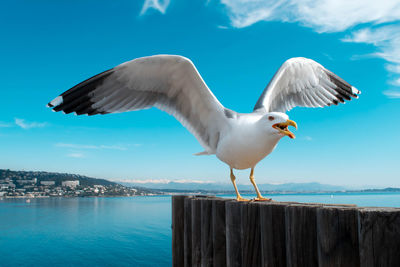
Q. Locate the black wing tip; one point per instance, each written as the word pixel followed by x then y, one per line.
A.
pixel 77 100
pixel 344 90
pixel 94 80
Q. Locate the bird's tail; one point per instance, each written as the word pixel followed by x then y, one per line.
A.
pixel 201 153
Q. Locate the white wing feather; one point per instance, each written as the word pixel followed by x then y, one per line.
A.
pixel 170 83
pixel 304 82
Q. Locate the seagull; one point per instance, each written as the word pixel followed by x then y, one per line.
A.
pixel 172 84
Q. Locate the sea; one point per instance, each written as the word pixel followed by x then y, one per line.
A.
pixel 112 231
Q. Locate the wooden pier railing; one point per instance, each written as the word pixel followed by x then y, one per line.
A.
pixel 210 231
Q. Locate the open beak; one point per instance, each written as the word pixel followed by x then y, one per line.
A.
pixel 283 128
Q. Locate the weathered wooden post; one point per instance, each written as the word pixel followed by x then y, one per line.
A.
pixel 251 237
pixel 187 229
pixel 219 232
pixel 177 230
pixel 233 233
pixel 196 231
pixel 301 235
pixel 379 236
pixel 337 235
pixel 206 232
pixel 273 233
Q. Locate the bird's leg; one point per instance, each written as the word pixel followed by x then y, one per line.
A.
pixel 259 196
pixel 238 196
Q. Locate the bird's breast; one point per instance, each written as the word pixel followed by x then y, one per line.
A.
pixel 243 150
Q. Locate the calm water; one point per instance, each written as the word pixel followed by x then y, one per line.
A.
pixel 132 231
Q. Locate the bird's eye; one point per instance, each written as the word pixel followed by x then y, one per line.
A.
pixel 271 118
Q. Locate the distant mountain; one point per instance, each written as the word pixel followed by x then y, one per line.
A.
pixel 53 176
pixel 29 184
pixel 169 185
pixel 287 187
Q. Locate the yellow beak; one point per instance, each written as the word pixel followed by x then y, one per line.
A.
pixel 283 128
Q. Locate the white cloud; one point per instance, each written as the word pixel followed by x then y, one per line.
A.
pixel 385 38
pixel 160 5
pixel 243 13
pixel 387 41
pixel 392 94
pixel 75 155
pixel 321 15
pixel 28 125
pixel 307 138
pixel 222 27
pixel 396 82
pixel 374 36
pixel 81 146
pixel 378 22
pixel 370 16
pixel 393 68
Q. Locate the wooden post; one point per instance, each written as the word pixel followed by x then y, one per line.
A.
pixel 379 236
pixel 233 233
pixel 187 250
pixel 273 233
pixel 219 232
pixel 251 237
pixel 196 231
pixel 301 235
pixel 206 232
pixel 177 230
pixel 337 235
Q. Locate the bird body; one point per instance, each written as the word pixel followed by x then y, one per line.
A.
pixel 247 141
pixel 172 84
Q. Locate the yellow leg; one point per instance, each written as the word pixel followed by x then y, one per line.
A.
pixel 259 196
pixel 238 196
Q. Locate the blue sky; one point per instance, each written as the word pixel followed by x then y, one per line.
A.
pixel 49 46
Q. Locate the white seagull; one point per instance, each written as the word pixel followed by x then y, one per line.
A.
pixel 173 84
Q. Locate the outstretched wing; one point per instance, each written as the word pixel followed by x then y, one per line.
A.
pixel 305 83
pixel 170 83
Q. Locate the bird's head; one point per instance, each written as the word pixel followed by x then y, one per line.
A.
pixel 278 123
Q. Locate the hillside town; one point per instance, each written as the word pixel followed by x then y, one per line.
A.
pixel 20 184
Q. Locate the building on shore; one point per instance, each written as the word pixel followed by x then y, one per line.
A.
pixel 47 183
pixel 28 181
pixel 74 183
